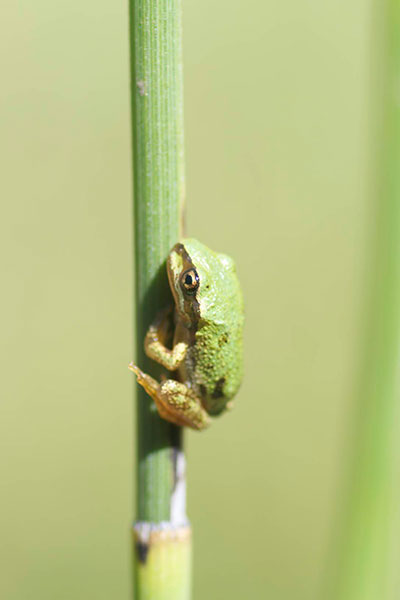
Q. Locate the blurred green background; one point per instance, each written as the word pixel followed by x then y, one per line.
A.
pixel 276 110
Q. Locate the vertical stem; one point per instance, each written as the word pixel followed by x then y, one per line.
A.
pixel 368 552
pixel 162 535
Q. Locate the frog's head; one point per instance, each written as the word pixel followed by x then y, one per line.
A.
pixel 200 281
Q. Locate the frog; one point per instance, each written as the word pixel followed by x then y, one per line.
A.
pixel 206 357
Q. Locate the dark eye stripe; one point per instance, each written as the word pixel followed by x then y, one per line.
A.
pixel 191 305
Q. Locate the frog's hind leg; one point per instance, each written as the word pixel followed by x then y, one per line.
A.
pixel 182 405
pixel 175 402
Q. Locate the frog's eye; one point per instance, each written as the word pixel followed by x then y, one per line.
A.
pixel 190 281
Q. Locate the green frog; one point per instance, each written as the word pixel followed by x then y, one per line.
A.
pixel 206 353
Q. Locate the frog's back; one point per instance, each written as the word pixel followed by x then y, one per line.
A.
pixel 218 356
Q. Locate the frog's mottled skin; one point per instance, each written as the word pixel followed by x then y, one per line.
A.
pixel 207 346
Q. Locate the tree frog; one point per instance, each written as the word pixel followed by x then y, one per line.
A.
pixel 207 338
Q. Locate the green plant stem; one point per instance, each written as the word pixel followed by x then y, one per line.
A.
pixel 368 562
pixel 157 121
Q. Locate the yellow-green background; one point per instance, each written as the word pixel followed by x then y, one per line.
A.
pixel 276 110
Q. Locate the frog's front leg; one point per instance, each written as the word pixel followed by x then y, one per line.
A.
pixel 175 401
pixel 154 343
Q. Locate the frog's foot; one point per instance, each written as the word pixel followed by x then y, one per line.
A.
pixel 150 385
pixel 175 402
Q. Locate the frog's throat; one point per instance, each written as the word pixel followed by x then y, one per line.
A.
pixel 187 306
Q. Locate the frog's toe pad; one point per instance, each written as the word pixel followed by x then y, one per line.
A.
pixel 135 370
pixel 141 377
